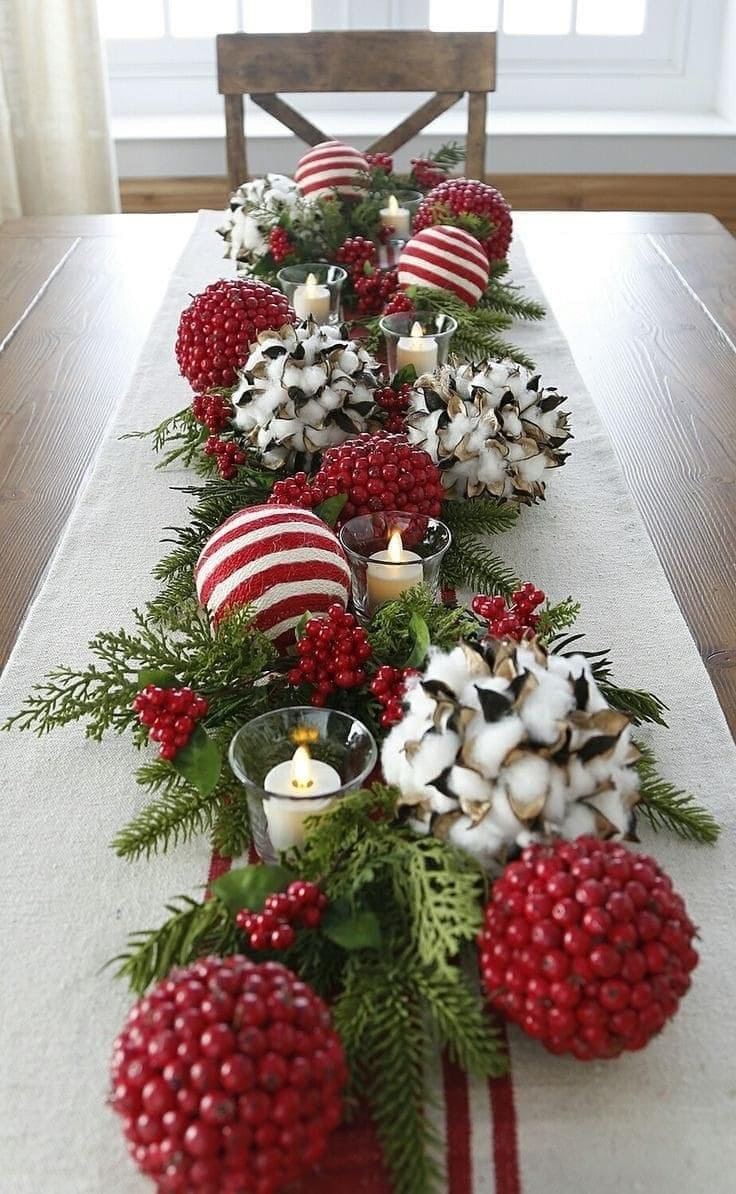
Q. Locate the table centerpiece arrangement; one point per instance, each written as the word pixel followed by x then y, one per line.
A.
pixel 420 783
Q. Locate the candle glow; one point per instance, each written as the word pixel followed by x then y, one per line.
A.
pixel 301 769
pixel 395 547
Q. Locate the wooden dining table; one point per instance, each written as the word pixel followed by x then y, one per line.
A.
pixel 647 302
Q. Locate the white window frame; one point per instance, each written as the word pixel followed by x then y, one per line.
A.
pixel 672 66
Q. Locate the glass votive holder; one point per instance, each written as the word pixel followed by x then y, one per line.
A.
pixel 390 552
pixel 420 338
pixel 295 763
pixel 404 203
pixel 314 288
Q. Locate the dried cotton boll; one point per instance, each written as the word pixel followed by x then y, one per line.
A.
pixel 302 390
pixel 504 744
pixel 493 430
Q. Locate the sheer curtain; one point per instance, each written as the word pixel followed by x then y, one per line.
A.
pixel 56 156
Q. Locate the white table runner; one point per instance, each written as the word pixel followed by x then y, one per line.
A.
pixel 659 1120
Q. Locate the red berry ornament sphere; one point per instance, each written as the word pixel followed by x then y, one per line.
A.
pixel 220 324
pixel 382 472
pixel 227 1077
pixel 465 196
pixel 587 947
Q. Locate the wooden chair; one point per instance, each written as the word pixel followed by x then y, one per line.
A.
pixel 450 64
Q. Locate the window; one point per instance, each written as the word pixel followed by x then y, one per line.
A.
pixel 621 18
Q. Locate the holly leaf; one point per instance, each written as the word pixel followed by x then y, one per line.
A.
pixel 301 624
pixel 403 377
pixel 329 510
pixel 200 762
pixel 248 886
pixel 419 631
pixel 154 675
pixel 350 929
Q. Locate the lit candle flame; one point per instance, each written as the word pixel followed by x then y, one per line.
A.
pixel 393 205
pixel 395 548
pixel 417 331
pixel 301 769
pixel 311 281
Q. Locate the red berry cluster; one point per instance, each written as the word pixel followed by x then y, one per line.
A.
pixel 355 253
pixel 172 714
pixel 298 490
pixel 426 173
pixel 516 620
pixel 332 655
pixel 227 454
pixel 587 947
pixel 373 290
pixel 465 196
pixel 380 161
pixel 227 1077
pixel 388 687
pixel 301 904
pixel 399 304
pixel 395 403
pixel 213 411
pixel 382 472
pixel 217 329
pixel 280 244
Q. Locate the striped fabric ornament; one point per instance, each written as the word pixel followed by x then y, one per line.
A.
pixel 330 166
pixel 445 258
pixel 281 560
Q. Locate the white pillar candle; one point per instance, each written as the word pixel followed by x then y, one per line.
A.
pixel 418 350
pixel 398 218
pixel 312 299
pixel 392 572
pixel 311 785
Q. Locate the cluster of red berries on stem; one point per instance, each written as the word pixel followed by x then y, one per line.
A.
pixel 171 713
pixel 332 654
pixel 280 244
pixel 426 173
pixel 228 456
pixel 457 197
pixel 383 472
pixel 388 687
pixel 227 1077
pixel 395 403
pixel 213 411
pixel 380 161
pixel 218 327
pixel 298 490
pixel 399 304
pixel 587 947
pixel 516 619
pixel 355 253
pixel 373 290
pixel 302 904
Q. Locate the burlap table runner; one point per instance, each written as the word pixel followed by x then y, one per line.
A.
pixel 660 1120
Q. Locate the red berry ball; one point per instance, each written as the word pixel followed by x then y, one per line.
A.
pixel 454 198
pixel 388 687
pixel 382 472
pixel 299 490
pixel 218 327
pixel 584 979
pixel 259 1095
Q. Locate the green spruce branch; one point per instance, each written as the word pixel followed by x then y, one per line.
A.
pixel 191 931
pixel 556 618
pixel 178 813
pixel 470 562
pixel 478 336
pixel 668 807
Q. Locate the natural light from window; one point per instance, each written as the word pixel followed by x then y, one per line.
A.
pixel 133 19
pixel 537 18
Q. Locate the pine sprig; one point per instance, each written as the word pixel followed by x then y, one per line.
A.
pixel 471 563
pixel 503 295
pixel 183 431
pixel 178 813
pixel 556 618
pixel 463 1025
pixel 231 834
pixel 191 931
pixel 392 630
pixel 668 807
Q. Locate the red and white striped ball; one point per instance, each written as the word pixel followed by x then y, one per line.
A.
pixel 281 560
pixel 330 166
pixel 446 258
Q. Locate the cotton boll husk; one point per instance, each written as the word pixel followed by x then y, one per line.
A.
pixel 511 423
pixel 612 807
pixel 579 820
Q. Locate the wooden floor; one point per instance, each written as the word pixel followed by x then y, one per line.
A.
pixel 647 301
pixel 714 193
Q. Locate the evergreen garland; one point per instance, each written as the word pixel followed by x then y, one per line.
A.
pixel 668 807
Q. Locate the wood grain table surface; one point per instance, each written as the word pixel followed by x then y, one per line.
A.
pixel 647 302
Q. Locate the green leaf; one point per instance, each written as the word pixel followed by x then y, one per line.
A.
pixel 248 886
pixel 329 510
pixel 301 624
pixel 403 377
pixel 419 631
pixel 154 675
pixel 351 930
pixel 200 761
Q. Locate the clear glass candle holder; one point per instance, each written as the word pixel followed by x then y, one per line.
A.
pixel 426 352
pixel 341 755
pixel 321 299
pixel 380 574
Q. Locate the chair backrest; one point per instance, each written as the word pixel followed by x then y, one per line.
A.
pixel 261 65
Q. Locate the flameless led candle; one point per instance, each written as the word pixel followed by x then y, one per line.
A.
pixel 311 783
pixel 392 572
pixel 396 217
pixel 418 350
pixel 312 299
